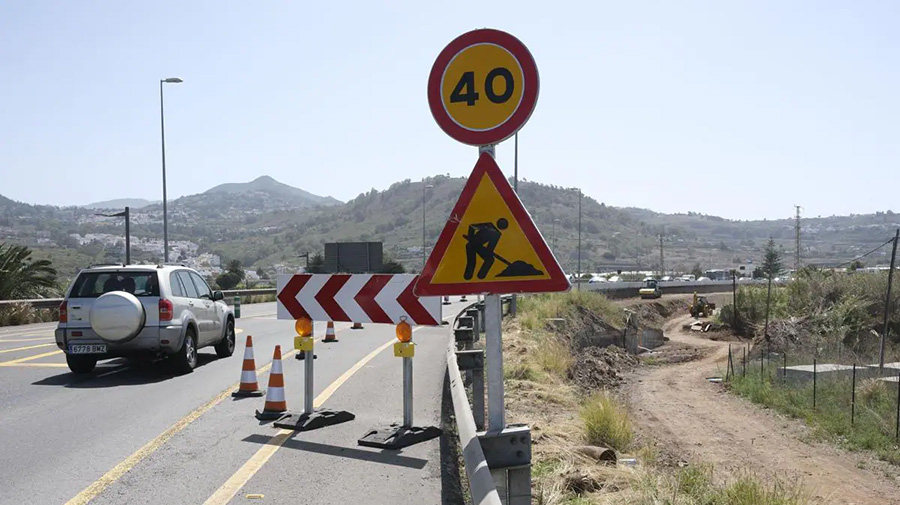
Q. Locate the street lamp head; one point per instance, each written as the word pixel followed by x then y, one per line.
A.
pixel 172 80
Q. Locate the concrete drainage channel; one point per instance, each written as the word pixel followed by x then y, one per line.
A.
pixel 489 458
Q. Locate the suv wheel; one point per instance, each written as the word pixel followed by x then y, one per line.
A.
pixel 225 348
pixel 186 358
pixel 81 364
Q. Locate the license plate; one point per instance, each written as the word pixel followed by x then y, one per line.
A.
pixel 87 349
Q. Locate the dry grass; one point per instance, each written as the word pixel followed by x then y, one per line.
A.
pixel 606 422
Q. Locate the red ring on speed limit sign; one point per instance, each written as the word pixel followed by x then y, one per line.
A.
pixel 483 87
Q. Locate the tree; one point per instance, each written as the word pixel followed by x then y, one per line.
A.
pixel 228 280
pixel 235 267
pixel 262 274
pixel 316 265
pixel 696 271
pixel 771 266
pixel 22 277
pixel 758 273
pixel 856 265
pixel 392 267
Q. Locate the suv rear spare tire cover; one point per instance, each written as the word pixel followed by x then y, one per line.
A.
pixel 117 317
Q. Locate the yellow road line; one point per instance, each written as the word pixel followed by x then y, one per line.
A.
pixel 25 348
pixel 22 360
pixel 224 494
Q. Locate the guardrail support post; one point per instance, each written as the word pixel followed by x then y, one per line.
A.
pixel 519 485
pixel 473 362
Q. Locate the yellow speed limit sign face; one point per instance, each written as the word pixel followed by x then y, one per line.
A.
pixel 483 87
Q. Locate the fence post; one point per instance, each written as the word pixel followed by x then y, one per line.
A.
pixel 815 376
pixel 784 368
pixel 744 372
pixel 731 361
pixel 898 406
pixel 728 363
pixel 761 363
pixel 853 398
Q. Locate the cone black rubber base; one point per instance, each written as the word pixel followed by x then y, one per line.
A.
pixel 397 437
pixel 302 356
pixel 266 415
pixel 248 394
pixel 329 341
pixel 320 418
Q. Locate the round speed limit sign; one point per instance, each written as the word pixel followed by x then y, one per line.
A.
pixel 483 87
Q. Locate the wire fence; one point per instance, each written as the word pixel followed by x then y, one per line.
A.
pixel 844 394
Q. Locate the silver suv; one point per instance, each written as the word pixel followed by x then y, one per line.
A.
pixel 140 312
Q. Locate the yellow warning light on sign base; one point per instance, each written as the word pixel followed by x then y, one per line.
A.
pixel 404 331
pixel 303 327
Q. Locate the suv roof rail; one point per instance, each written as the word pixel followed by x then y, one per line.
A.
pixel 107 265
pixel 160 265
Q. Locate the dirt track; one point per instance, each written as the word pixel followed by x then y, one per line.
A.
pixel 699 421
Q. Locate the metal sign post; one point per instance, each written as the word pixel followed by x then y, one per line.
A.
pixel 394 436
pixel 311 418
pixel 407 392
pixel 493 342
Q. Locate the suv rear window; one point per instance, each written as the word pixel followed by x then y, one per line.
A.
pixel 94 284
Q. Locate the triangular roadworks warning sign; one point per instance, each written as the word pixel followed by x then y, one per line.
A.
pixel 490 244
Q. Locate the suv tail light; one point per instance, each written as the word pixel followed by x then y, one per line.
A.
pixel 63 312
pixel 165 310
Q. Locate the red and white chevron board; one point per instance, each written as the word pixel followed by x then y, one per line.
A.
pixel 356 298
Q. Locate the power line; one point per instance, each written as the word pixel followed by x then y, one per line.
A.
pixel 864 255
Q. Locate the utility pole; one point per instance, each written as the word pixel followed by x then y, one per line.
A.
pixel 797 252
pixel 887 305
pixel 662 263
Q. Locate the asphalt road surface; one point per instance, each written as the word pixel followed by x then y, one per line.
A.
pixel 143 435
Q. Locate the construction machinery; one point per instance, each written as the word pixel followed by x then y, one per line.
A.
pixel 701 307
pixel 650 289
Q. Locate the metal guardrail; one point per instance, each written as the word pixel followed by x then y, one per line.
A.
pixel 52 303
pixel 481 483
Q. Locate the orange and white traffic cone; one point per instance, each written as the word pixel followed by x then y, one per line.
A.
pixel 276 405
pixel 249 386
pixel 356 326
pixel 329 333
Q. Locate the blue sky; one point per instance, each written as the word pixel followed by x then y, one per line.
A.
pixel 738 109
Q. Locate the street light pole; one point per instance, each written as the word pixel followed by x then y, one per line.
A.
pixel 425 188
pixel 162 127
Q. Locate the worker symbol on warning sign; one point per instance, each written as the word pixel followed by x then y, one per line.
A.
pixel 481 241
pixel 490 244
